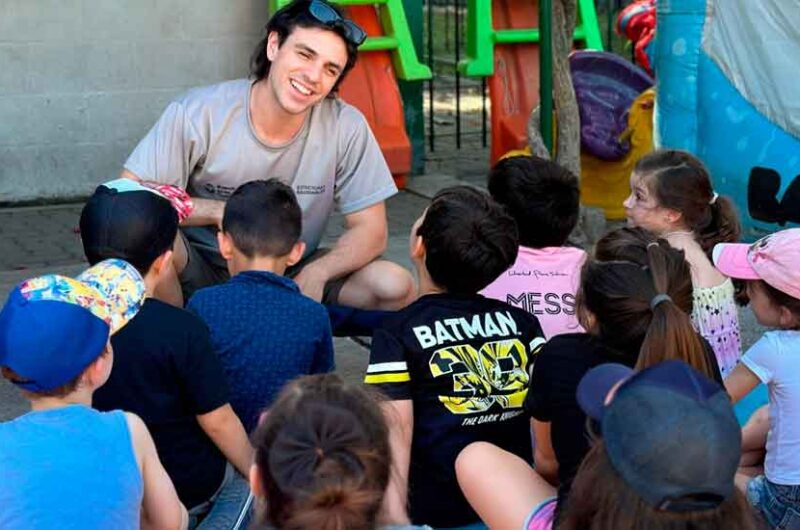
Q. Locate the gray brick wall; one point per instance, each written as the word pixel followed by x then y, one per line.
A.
pixel 81 81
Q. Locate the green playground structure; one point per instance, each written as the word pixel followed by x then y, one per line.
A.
pixel 396 37
pixel 482 35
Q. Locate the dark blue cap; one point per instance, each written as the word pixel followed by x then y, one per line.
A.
pixel 669 431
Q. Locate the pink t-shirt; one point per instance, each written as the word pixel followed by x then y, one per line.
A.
pixel 543 282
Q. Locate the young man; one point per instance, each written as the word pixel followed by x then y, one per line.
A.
pixel 285 123
pixel 65 465
pixel 265 331
pixel 544 200
pixel 166 370
pixel 454 364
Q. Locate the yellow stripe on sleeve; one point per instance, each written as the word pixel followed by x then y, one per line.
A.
pixel 377 379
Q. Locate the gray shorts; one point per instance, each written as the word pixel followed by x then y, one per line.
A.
pixel 205 266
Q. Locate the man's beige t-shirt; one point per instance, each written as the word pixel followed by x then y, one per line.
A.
pixel 205 142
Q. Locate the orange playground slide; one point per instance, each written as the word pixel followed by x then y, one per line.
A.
pixel 372 88
pixel 514 87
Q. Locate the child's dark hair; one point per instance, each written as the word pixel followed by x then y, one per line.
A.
pixel 263 218
pixel 135 226
pixel 542 197
pixel 679 181
pixel 283 22
pixel 469 239
pixel 641 299
pixel 616 505
pixel 781 299
pixel 323 456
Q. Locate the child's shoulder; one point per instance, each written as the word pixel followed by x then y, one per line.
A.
pixel 168 315
pixel 445 307
pixel 782 339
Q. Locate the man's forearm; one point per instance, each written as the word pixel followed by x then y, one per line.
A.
pixel 206 212
pixel 358 246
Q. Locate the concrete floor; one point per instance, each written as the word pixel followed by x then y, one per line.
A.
pixel 39 240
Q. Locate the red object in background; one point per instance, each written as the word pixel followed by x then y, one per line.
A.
pixel 637 23
pixel 514 87
pixel 371 87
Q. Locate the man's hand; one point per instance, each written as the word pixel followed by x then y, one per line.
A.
pixel 312 279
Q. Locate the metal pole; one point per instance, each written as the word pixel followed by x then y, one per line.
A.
pixel 546 71
pixel 431 122
pixel 456 3
pixel 484 112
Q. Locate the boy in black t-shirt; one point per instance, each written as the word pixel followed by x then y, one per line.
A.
pixel 454 364
pixel 165 369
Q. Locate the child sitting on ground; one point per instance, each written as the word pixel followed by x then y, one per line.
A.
pixel 672 196
pixel 771 267
pixel 65 465
pixel 666 460
pixel 454 364
pixel 543 198
pixel 634 301
pixel 322 458
pixel 165 369
pixel 264 329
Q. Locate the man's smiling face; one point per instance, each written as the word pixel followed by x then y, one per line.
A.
pixel 305 67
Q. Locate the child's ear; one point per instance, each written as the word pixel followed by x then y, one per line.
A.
pixel 672 216
pixel 255 482
pixel 417 248
pixel 225 245
pixel 788 320
pixel 163 262
pixel 296 254
pixel 97 373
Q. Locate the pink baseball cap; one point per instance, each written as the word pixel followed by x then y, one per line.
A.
pixel 774 259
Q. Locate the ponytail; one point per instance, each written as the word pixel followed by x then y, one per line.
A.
pixel 639 290
pixel 723 227
pixel 323 456
pixel 670 334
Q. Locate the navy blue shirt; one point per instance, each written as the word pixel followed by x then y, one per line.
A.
pixel 266 333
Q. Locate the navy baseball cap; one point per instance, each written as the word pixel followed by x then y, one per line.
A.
pixel 52 327
pixel 127 220
pixel 669 431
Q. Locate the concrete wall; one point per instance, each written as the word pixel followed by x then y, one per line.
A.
pixel 81 81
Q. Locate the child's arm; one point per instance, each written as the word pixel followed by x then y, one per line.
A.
pixel 400 418
pixel 324 360
pixel 741 381
pixel 228 434
pixel 544 457
pixel 161 508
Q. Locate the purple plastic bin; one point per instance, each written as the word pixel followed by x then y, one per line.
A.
pixel 605 86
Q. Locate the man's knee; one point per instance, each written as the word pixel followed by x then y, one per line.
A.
pixel 380 285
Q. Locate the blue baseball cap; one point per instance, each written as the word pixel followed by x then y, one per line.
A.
pixel 52 327
pixel 669 431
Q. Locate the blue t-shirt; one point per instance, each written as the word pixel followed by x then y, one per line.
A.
pixel 266 333
pixel 68 467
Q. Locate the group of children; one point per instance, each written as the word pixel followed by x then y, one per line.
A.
pixel 530 386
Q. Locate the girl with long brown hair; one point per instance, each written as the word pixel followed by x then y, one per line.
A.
pixel 634 301
pixel 672 196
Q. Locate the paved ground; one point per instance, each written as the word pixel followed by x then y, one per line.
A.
pixel 38 240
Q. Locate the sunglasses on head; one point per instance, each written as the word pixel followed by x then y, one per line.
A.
pixel 327 15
